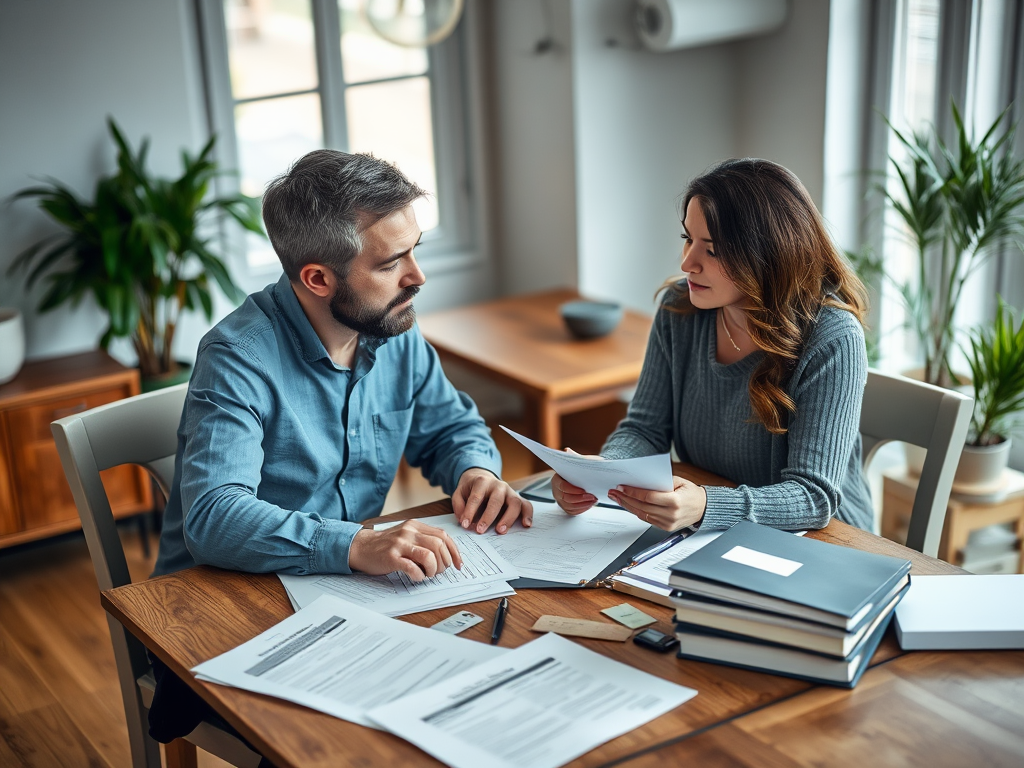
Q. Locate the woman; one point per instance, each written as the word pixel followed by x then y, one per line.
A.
pixel 755 368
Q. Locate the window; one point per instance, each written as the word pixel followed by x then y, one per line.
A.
pixel 912 107
pixel 288 76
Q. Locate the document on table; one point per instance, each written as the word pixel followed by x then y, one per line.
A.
pixel 558 547
pixel 338 658
pixel 541 705
pixel 598 476
pixel 484 574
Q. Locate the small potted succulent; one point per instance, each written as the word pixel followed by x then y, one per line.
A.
pixel 996 359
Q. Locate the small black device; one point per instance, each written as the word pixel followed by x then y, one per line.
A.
pixel 655 640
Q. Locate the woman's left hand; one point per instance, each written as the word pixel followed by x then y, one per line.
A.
pixel 670 510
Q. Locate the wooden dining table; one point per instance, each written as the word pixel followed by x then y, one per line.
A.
pixel 923 708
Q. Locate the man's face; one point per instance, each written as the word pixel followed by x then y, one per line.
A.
pixel 375 298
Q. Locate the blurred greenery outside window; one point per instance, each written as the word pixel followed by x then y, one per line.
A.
pixel 285 77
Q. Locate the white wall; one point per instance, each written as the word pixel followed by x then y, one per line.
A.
pixel 64 66
pixel 533 135
pixel 641 125
pixel 645 123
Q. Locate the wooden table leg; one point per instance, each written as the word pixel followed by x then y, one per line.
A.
pixel 958 529
pixel 549 425
pixel 180 754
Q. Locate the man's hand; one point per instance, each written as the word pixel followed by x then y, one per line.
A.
pixel 670 510
pixel 480 492
pixel 418 550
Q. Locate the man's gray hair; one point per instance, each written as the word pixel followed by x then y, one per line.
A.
pixel 315 213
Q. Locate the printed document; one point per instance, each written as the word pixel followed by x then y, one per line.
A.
pixel 558 547
pixel 344 660
pixel 484 574
pixel 598 476
pixel 540 705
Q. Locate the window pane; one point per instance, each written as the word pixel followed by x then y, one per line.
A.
pixel 272 135
pixel 270 47
pixel 365 55
pixel 392 120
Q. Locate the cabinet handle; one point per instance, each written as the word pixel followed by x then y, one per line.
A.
pixel 60 413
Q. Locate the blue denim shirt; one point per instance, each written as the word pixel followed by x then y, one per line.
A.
pixel 281 453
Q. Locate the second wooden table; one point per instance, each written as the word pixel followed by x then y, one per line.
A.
pixel 521 342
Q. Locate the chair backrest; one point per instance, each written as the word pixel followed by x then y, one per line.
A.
pixel 930 417
pixel 138 430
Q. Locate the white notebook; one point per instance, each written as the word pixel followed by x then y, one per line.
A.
pixel 953 612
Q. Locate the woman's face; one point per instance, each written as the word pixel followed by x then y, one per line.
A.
pixel 709 287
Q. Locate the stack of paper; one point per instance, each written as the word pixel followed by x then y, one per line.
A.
pixel 484 575
pixel 467 703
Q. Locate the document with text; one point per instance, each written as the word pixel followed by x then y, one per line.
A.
pixel 540 705
pixel 558 547
pixel 598 476
pixel 338 658
pixel 484 574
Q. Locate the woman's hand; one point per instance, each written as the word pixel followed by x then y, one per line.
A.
pixel 670 510
pixel 571 498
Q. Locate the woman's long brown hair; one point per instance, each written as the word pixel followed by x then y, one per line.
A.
pixel 772 243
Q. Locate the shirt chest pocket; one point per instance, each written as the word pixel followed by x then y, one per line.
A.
pixel 390 432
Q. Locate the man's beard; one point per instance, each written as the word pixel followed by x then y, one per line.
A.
pixel 353 312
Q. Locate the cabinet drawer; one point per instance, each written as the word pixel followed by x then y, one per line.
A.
pixel 38 477
pixel 31 423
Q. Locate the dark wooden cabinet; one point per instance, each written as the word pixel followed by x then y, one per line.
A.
pixel 35 500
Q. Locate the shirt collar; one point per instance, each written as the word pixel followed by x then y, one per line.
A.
pixel 301 330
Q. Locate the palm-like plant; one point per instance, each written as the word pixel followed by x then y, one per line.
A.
pixel 996 358
pixel 141 248
pixel 959 204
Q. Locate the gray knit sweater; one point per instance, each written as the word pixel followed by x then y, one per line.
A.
pixel 799 480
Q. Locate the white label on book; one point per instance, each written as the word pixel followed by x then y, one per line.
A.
pixel 762 560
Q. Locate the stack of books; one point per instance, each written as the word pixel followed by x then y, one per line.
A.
pixel 763 599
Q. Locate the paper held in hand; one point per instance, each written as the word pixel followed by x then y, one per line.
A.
pixel 598 476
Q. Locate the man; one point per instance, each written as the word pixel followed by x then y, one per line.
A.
pixel 304 399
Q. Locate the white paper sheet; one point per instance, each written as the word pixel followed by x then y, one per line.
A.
pixel 598 476
pixel 303 590
pixel 540 705
pixel 557 547
pixel 396 595
pixel 338 658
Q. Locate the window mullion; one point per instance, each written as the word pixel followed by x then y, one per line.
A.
pixel 327 36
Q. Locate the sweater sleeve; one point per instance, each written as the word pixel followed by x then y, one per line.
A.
pixel 827 389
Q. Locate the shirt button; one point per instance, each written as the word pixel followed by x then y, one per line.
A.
pixel 353 432
pixel 343 481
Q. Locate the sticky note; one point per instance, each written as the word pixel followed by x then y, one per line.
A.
pixel 626 614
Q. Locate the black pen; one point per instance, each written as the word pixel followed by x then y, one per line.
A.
pixel 499 620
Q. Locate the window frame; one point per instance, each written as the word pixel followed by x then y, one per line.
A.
pixel 450 245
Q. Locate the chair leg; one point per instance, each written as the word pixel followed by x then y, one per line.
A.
pixel 144 533
pixel 181 754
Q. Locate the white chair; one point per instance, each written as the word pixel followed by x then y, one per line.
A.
pixel 138 430
pixel 930 417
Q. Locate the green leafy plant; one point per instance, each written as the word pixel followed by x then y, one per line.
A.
pixel 996 358
pixel 141 248
pixel 959 205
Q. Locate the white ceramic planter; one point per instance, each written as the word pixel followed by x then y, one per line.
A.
pixel 982 466
pixel 12 344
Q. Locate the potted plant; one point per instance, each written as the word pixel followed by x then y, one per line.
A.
pixel 142 249
pixel 996 359
pixel 959 204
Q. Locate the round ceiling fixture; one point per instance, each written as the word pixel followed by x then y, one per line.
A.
pixel 413 23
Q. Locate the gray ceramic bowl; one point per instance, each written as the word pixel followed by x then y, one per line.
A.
pixel 591 319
